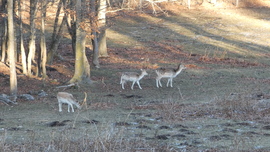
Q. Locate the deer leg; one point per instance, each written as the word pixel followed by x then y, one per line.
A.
pixel 132 85
pixel 159 82
pixel 60 107
pixel 139 84
pixel 68 107
pixel 72 107
pixel 168 82
pixel 123 83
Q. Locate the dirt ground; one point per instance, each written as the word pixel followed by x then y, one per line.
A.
pixel 220 102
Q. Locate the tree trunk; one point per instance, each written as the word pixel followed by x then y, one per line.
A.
pixel 15 13
pixel 43 48
pixel 11 50
pixel 94 26
pixel 86 63
pixel 95 50
pixel 82 71
pixel 57 33
pixel 82 66
pixel 23 55
pixel 4 41
pixel 102 43
pixel 236 3
pixel 32 47
pixel 54 45
pixel 71 24
pixel 4 32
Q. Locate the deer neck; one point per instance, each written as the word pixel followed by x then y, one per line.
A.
pixel 178 71
pixel 141 76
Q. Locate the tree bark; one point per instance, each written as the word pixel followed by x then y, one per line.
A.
pixel 23 54
pixel 82 68
pixel 102 43
pixel 4 32
pixel 71 23
pixel 94 27
pixel 43 48
pixel 236 3
pixel 4 41
pixel 95 50
pixel 11 50
pixel 32 47
pixel 15 13
pixel 86 63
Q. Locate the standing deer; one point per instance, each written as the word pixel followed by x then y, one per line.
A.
pixel 169 73
pixel 132 76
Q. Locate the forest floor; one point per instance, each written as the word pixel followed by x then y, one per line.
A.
pixel 221 102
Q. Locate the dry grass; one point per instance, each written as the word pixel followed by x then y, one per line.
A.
pixel 111 140
pixel 243 109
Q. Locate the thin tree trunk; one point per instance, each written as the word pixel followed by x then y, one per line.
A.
pixel 58 39
pixel 71 24
pixel 43 48
pixel 23 55
pixel 30 56
pixel 94 26
pixel 102 43
pixel 86 63
pixel 95 50
pixel 55 26
pixel 57 33
pixel 4 32
pixel 15 13
pixel 11 49
pixel 32 47
pixel 4 42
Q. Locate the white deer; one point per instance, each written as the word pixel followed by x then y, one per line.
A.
pixel 132 76
pixel 67 98
pixel 169 73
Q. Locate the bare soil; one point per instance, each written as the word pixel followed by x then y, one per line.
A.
pixel 219 103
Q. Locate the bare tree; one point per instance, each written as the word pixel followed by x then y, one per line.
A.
pixel 71 22
pixel 4 30
pixel 15 13
pixel 82 67
pixel 102 43
pixel 21 42
pixel 57 32
pixel 43 49
pixel 32 41
pixel 97 19
pixel 94 29
pixel 11 50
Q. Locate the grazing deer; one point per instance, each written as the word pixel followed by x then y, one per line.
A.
pixel 132 76
pixel 67 98
pixel 168 73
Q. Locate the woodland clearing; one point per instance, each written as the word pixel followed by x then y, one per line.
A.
pixel 221 102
